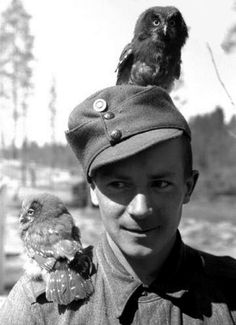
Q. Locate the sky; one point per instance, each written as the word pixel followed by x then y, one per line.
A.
pixel 78 42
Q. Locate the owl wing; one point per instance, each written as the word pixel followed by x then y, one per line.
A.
pixel 71 281
pixel 52 240
pixel 125 64
pixel 65 285
pixel 55 246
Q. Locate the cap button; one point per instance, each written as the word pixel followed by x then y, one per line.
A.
pixel 109 115
pixel 116 135
pixel 99 105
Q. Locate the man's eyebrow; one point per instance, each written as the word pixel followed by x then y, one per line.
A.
pixel 120 175
pixel 162 174
pixel 112 174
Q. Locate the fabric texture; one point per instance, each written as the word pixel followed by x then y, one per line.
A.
pixel 119 121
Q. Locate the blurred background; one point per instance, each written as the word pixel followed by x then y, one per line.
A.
pixel 53 54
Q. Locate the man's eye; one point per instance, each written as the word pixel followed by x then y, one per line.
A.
pixel 118 185
pixel 160 184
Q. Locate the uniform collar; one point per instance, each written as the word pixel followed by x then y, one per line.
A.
pixel 172 281
pixel 120 284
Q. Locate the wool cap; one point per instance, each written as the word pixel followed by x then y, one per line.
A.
pixel 118 122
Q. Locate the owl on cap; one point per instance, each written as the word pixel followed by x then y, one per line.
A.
pixel 153 57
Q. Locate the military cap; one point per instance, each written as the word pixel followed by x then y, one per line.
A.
pixel 120 121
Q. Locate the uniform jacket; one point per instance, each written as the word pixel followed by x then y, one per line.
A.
pixel 193 288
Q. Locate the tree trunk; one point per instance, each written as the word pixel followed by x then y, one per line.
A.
pixel 2 229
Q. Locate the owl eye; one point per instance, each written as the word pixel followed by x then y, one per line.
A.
pixel 172 23
pixel 156 22
pixel 30 212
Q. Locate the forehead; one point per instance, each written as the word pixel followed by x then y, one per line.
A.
pixel 162 158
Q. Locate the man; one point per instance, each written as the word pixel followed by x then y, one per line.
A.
pixel 135 149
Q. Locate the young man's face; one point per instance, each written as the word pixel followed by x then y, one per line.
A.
pixel 141 198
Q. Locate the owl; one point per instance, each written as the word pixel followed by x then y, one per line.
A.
pixel 54 250
pixel 154 55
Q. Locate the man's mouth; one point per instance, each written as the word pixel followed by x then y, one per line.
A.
pixel 140 231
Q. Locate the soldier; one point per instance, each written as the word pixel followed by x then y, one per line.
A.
pixel 135 150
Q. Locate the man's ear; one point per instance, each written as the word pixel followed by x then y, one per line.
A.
pixel 190 183
pixel 93 195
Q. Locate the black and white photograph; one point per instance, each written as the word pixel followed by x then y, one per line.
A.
pixel 117 162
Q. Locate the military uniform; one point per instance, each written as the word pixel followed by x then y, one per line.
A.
pixel 193 288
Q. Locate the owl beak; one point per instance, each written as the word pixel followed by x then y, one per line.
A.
pixel 165 29
pixel 23 218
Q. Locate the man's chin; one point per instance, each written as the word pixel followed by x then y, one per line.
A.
pixel 136 251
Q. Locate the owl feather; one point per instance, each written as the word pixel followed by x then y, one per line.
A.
pixel 153 57
pixel 55 253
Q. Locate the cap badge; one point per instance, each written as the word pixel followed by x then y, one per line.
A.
pixel 99 105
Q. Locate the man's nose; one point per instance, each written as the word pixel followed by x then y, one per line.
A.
pixel 139 207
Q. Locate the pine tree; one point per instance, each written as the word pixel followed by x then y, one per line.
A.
pixel 229 43
pixel 16 63
pixel 52 109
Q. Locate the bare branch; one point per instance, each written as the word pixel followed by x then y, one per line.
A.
pixel 218 75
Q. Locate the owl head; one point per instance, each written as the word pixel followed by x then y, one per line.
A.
pixel 162 24
pixel 36 208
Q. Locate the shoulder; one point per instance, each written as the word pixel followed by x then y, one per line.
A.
pixel 212 265
pixel 219 266
pixel 26 289
pixel 20 300
pixel 217 273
